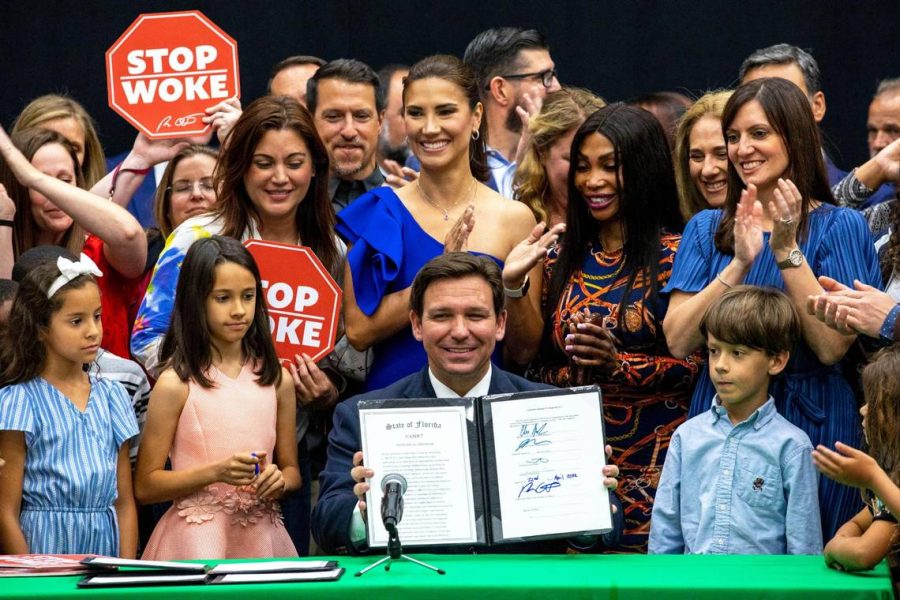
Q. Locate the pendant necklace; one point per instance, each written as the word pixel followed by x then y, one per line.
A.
pixel 452 206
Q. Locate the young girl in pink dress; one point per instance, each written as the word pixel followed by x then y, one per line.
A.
pixel 224 412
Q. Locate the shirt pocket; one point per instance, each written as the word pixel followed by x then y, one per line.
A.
pixel 759 484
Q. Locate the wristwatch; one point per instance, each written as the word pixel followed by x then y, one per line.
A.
pixel 518 292
pixel 793 260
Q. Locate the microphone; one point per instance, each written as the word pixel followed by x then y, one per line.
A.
pixel 393 486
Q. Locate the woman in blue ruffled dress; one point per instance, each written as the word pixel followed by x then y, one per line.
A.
pixel 391 234
pixel 779 227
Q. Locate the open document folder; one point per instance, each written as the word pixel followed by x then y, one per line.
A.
pixel 481 471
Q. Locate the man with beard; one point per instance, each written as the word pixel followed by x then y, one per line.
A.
pixel 346 101
pixel 514 72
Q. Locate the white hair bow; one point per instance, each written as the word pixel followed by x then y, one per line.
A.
pixel 69 270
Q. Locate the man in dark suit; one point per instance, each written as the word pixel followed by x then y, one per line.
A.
pixel 457 312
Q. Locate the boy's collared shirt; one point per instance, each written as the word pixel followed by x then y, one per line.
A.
pixel 749 488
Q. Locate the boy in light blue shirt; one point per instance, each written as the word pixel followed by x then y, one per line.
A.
pixel 739 478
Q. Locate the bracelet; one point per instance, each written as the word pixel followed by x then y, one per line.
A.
pixel 119 169
pixel 517 293
pixel 7 223
pixel 723 282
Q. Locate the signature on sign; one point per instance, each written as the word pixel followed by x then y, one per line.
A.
pixel 179 122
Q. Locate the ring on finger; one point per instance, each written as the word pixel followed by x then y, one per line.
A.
pixel 787 221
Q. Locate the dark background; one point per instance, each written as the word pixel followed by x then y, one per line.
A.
pixel 617 49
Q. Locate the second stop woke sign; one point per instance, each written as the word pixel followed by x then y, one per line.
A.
pixel 167 68
pixel 304 302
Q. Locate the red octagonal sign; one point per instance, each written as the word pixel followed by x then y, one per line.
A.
pixel 167 68
pixel 304 302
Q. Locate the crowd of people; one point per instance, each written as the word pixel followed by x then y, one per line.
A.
pixel 733 293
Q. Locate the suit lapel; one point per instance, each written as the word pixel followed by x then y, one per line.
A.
pixel 420 387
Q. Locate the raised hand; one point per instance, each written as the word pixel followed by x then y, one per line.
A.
pixel 748 230
pixel 23 170
pixel 785 213
pixel 457 239
pixel 529 252
pixel 531 105
pixel 146 153
pixel 222 117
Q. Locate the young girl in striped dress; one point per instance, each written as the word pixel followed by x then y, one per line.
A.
pixel 66 487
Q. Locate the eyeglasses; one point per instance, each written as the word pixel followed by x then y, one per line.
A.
pixel 187 187
pixel 546 77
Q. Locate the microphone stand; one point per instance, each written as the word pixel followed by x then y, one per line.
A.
pixel 395 552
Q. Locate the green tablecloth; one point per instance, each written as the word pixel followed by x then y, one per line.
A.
pixel 521 577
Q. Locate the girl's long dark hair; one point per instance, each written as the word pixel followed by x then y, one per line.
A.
pixel 22 352
pixel 187 347
pixel 788 111
pixel 648 200
pixel 881 388
pixel 315 215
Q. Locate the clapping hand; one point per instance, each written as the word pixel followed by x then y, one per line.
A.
pixel 785 212
pixel 529 252
pixel 457 239
pixel 590 346
pixel 861 309
pixel 748 235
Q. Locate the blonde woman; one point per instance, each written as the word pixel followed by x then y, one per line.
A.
pixel 69 118
pixel 701 158
pixel 541 180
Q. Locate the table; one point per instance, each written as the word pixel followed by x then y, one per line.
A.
pixel 530 576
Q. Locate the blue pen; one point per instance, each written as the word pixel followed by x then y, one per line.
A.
pixel 256 466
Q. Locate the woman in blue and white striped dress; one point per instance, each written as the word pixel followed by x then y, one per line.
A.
pixel 66 485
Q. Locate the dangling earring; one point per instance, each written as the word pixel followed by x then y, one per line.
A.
pixel 475 135
pixel 406 140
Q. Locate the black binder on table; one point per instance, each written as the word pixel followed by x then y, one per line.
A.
pixel 164 573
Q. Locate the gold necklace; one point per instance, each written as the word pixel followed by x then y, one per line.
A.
pixel 452 206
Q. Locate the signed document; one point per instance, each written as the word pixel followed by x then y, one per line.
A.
pixel 546 457
pixel 430 447
pixel 480 471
